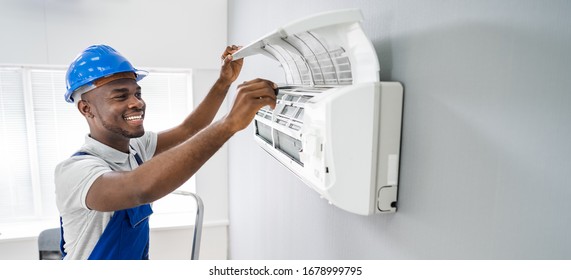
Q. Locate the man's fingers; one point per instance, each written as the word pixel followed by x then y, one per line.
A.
pixel 257 83
pixel 230 50
pixel 258 93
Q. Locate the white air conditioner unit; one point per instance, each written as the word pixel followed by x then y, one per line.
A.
pixel 336 126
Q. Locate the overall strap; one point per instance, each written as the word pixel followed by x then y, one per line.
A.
pixel 61 241
pixel 138 159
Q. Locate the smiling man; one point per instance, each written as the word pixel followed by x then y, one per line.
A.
pixel 104 191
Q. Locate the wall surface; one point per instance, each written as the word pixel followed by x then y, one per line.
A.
pixel 172 33
pixel 485 152
pixel 168 34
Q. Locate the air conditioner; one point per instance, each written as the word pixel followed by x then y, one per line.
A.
pixel 335 126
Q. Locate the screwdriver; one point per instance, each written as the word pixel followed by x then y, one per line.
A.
pixel 277 90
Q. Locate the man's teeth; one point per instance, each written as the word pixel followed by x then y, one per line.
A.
pixel 133 118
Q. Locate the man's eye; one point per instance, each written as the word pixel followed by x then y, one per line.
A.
pixel 138 95
pixel 120 97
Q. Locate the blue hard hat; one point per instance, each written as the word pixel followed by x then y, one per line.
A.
pixel 93 63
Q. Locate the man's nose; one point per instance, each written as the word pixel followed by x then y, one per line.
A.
pixel 136 102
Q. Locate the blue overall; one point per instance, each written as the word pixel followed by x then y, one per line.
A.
pixel 126 236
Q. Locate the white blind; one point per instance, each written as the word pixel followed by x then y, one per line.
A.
pixel 15 178
pixel 166 105
pixel 59 130
pixel 39 130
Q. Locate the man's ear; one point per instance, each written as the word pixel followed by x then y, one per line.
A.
pixel 84 108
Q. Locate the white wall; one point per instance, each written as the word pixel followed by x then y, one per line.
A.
pixel 171 33
pixel 485 153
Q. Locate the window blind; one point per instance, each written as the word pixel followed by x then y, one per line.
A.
pixel 15 178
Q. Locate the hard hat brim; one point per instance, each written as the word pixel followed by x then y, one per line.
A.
pixel 139 75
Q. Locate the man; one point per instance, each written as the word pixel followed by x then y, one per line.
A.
pixel 104 190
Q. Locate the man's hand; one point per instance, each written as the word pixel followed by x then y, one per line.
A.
pixel 251 96
pixel 230 68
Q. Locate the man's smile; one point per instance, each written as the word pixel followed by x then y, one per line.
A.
pixel 135 119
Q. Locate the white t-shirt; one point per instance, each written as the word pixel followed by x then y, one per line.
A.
pixel 82 226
